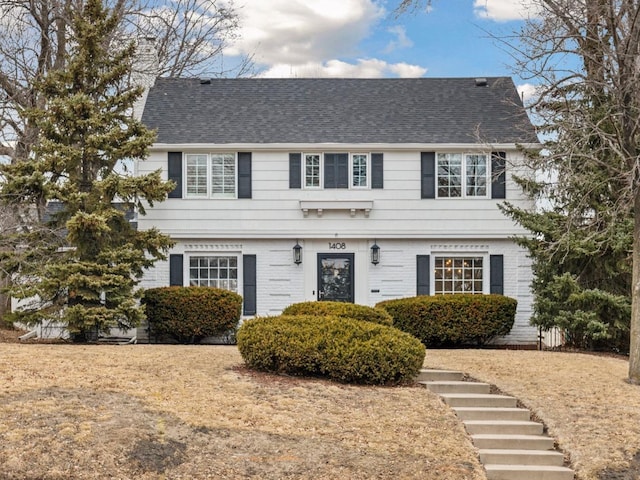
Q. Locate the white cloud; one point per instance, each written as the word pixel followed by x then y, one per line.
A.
pixel 313 38
pixel 364 68
pixel 401 40
pixel 505 10
pixel 405 70
pixel 527 92
pixel 299 31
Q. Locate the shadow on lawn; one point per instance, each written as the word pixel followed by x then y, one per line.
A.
pixel 631 473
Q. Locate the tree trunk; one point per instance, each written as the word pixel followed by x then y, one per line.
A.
pixel 5 300
pixel 634 347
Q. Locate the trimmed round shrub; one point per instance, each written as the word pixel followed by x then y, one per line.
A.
pixel 188 314
pixel 453 320
pixel 346 350
pixel 340 309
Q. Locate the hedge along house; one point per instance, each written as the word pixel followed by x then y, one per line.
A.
pixel 357 190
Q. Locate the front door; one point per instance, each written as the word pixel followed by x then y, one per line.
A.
pixel 335 277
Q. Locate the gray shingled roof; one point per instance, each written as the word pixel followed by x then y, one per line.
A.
pixel 419 110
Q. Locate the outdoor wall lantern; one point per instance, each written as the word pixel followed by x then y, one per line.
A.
pixel 297 254
pixel 375 253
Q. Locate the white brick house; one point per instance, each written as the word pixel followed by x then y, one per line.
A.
pixel 357 190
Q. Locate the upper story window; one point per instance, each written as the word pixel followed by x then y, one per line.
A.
pixel 197 166
pixel 359 170
pixel 211 175
pixel 462 175
pixel 312 170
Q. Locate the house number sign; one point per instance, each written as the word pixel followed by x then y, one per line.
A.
pixel 337 245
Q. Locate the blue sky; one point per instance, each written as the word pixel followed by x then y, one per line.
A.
pixel 362 38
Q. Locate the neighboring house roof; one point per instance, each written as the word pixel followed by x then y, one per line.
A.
pixel 324 110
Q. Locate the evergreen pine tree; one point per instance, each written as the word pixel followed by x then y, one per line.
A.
pixel 83 265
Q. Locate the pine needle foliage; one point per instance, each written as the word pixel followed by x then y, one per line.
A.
pixel 82 264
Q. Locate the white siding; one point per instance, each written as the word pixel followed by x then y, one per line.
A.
pixel 270 223
pixel 275 210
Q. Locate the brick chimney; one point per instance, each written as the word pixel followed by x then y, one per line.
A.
pixel 144 71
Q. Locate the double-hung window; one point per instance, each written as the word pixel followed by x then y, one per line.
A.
pixel 458 275
pixel 211 175
pixel 197 168
pixel 312 170
pixel 462 175
pixel 359 170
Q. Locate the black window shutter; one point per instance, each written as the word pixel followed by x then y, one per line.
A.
pixel 336 170
pixel 295 170
pixel 175 270
pixel 377 170
pixel 424 275
pixel 330 180
pixel 244 174
pixel 496 274
pixel 174 168
pixel 498 175
pixel 342 170
pixel 428 174
pixel 249 284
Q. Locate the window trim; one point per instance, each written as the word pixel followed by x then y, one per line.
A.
pixel 187 157
pixel 320 185
pixel 486 270
pixel 463 175
pixel 367 171
pixel 210 195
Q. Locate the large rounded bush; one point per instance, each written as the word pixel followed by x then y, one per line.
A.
pixel 341 349
pixel 189 314
pixel 453 320
pixel 340 309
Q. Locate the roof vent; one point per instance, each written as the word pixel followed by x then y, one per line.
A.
pixel 205 81
pixel 481 82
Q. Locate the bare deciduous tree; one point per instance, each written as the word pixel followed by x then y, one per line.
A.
pixel 584 55
pixel 190 37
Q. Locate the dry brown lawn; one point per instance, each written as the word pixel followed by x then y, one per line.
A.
pixel 583 399
pixel 191 412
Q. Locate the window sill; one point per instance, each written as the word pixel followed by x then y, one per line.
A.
pixel 352 206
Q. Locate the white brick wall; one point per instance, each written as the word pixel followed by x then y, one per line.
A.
pixel 281 282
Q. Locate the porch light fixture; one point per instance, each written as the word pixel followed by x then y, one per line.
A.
pixel 297 253
pixel 375 253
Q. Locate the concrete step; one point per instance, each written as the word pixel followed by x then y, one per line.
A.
pixel 527 472
pixel 512 442
pixel 492 413
pixel 457 387
pixel 521 457
pixel 429 375
pixel 478 400
pixel 503 427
